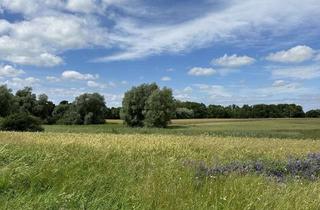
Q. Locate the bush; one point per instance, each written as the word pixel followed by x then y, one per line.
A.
pixel 21 122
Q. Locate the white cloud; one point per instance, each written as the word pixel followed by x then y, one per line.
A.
pixel 298 72
pixel 54 27
pixel 199 71
pixel 86 6
pixel 281 87
pixel 53 79
pixel 296 54
pixel 279 83
pixel 10 71
pixel 166 79
pixel 233 61
pixel 74 75
pixel 94 84
pixel 22 82
pixel 214 91
pixel 40 40
pixel 237 20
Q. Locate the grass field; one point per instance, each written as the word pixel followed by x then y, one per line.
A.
pixel 271 128
pixel 114 167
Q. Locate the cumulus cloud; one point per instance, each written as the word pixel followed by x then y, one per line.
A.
pixel 199 71
pixel 74 75
pixel 296 54
pixel 233 61
pixel 40 40
pixel 166 78
pixel 10 71
pixel 297 72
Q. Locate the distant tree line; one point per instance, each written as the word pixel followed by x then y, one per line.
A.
pixel 188 110
pixel 144 105
pixel 194 110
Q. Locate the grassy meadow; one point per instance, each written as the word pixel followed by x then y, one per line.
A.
pixel 114 167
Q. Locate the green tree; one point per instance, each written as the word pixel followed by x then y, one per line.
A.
pixel 60 110
pixel 6 100
pixel 133 104
pixel 159 108
pixel 70 116
pixel 315 113
pixel 25 100
pixel 91 107
pixel 44 108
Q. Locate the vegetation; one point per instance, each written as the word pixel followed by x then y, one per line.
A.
pixel 260 128
pixel 21 122
pixel 147 105
pixel 146 171
pixel 189 110
pixel 313 113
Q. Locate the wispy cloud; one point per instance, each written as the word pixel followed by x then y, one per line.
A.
pixel 49 28
pixel 297 72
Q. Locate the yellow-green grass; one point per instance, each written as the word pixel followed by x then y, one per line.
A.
pixel 144 171
pixel 271 128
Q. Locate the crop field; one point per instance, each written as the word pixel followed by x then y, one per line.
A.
pixel 194 164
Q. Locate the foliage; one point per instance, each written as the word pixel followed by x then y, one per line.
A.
pixel 44 109
pixel 159 108
pixel 6 100
pixel 91 108
pixel 246 111
pixel 113 113
pixel 183 113
pixel 60 110
pixel 71 116
pixel 139 106
pixel 313 113
pixel 21 122
pixel 25 100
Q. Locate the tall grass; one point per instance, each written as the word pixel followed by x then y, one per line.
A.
pixel 137 171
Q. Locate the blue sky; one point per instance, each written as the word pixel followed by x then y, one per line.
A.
pixel 210 51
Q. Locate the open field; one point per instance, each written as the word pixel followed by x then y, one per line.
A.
pixel 271 128
pixel 113 167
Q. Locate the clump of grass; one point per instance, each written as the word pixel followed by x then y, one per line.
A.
pixel 300 168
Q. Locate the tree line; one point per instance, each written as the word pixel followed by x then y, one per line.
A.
pixel 144 105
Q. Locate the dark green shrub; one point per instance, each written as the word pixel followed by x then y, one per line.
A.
pixel 21 122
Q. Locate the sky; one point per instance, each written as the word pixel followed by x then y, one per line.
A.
pixel 210 51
